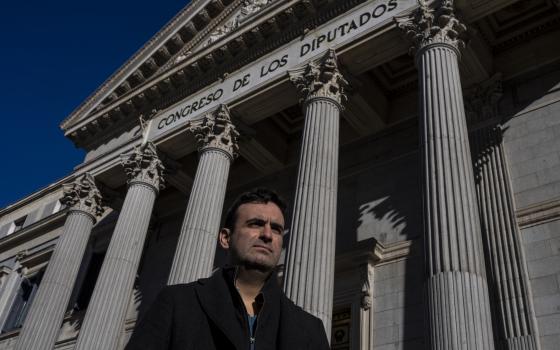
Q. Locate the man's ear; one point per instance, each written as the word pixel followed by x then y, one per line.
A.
pixel 224 238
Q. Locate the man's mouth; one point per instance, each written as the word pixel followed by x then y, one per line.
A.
pixel 263 247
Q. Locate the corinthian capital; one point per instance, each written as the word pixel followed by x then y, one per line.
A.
pixel 429 25
pixel 481 101
pixel 143 165
pixel 216 131
pixel 321 79
pixel 83 195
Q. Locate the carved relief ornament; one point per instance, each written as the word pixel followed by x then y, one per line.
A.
pixel 437 25
pixel 83 195
pixel 143 165
pixel 248 8
pixel 321 79
pixel 216 131
pixel 366 276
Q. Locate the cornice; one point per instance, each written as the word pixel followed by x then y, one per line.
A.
pixel 34 230
pixel 172 34
pixel 288 21
pixel 539 213
pixel 370 251
pixel 34 196
pixel 172 74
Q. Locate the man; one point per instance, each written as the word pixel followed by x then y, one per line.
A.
pixel 241 306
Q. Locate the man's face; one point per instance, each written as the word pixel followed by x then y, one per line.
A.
pixel 256 240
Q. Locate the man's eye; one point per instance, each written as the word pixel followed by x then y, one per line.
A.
pixel 256 223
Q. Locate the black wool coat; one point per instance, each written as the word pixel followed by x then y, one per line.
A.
pixel 209 314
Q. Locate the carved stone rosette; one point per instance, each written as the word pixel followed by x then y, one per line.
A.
pixel 216 131
pixel 83 195
pixel 321 79
pixel 143 165
pixel 437 25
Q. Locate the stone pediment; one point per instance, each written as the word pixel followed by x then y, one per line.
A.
pixel 206 40
pixel 187 29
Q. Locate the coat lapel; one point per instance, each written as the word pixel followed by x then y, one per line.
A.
pixel 269 317
pixel 216 300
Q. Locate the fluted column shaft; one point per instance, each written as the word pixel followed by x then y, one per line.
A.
pixel 107 308
pixel 9 292
pixel 456 287
pixel 42 324
pixel 106 313
pixel 507 272
pixel 456 290
pixel 309 278
pixel 309 273
pixel 196 247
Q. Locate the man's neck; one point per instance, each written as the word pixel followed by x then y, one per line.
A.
pixel 249 283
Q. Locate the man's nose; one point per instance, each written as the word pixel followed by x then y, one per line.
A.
pixel 266 233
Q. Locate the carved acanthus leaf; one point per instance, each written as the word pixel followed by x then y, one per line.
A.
pixel 321 79
pixel 431 26
pixel 144 165
pixel 217 131
pixel 83 195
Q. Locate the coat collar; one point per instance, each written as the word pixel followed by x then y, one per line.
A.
pixel 221 302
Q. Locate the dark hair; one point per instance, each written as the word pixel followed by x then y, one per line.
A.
pixel 257 195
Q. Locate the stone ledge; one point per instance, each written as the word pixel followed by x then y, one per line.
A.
pixel 538 213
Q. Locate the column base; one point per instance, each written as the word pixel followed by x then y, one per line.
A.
pixel 458 316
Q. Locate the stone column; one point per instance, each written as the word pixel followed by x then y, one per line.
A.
pixel 456 290
pixel 10 286
pixel 309 279
pixel 106 313
pixel 217 143
pixel 41 327
pixel 512 304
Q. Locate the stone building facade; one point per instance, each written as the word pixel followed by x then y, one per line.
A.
pixel 418 143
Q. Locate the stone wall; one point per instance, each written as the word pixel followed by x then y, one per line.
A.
pixel 542 250
pixel 532 137
pixel 397 304
pixel 531 106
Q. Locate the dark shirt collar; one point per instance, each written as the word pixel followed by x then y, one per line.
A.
pixel 222 303
pixel 270 289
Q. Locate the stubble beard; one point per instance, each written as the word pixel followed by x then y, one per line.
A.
pixel 254 264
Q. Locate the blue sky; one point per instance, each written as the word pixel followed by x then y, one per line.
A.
pixel 53 54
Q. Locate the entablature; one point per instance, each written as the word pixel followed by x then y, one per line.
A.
pixel 285 21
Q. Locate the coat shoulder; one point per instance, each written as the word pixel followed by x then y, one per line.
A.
pixel 182 290
pixel 302 322
pixel 296 310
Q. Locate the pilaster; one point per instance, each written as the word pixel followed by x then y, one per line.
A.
pixel 309 278
pixel 514 316
pixel 10 285
pixel 366 325
pixel 217 144
pixel 41 327
pixel 106 313
pixel 456 290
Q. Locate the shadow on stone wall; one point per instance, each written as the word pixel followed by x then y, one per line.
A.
pixel 381 215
